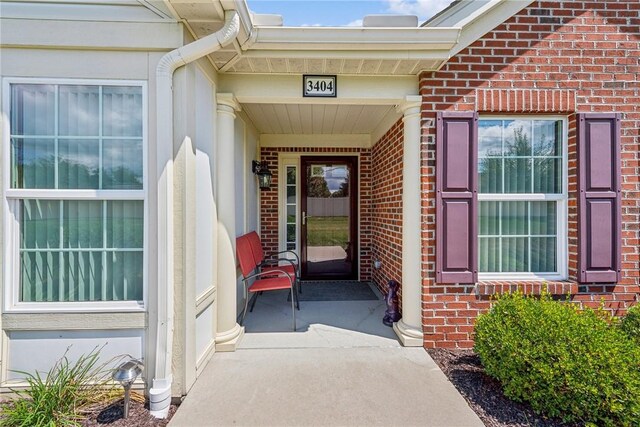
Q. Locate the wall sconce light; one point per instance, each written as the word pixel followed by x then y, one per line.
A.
pixel 126 374
pixel 261 170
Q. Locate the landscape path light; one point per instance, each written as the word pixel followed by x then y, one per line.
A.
pixel 126 374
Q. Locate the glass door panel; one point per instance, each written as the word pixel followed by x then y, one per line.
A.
pixel 329 217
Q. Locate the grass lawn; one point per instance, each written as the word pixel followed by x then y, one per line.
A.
pixel 328 231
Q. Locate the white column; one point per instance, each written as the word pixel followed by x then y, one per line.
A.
pixel 229 332
pixel 409 328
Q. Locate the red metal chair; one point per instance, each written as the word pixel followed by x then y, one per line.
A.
pixel 271 261
pixel 272 280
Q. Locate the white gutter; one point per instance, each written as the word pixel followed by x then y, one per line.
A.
pixel 352 38
pixel 160 392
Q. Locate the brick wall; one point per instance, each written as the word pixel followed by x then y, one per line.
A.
pixel 269 199
pixel 386 184
pixel 558 57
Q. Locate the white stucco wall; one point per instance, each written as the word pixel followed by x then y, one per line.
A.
pixel 246 186
pixel 28 51
pixel 251 189
pixel 240 172
pixel 195 222
pixel 205 209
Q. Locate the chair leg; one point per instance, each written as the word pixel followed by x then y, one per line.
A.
pixel 293 294
pixel 297 291
pixel 253 301
pixel 293 306
pixel 246 302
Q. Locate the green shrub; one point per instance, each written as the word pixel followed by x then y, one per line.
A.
pixel 566 362
pixel 60 398
pixel 630 324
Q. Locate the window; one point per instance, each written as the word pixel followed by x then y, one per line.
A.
pixel 75 195
pixel 292 208
pixel 522 197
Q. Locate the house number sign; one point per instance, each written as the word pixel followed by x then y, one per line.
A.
pixel 319 86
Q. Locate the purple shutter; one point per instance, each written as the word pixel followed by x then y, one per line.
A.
pixel 456 197
pixel 599 232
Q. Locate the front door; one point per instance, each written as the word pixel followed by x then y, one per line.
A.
pixel 329 234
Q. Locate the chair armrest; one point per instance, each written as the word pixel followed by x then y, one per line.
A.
pixel 276 261
pixel 273 254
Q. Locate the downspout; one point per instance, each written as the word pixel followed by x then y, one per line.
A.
pixel 160 392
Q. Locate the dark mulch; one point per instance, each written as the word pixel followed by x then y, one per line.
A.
pixel 139 416
pixel 484 394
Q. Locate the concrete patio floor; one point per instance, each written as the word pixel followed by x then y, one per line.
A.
pixel 342 367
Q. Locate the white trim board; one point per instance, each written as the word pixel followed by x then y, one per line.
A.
pixel 28 33
pixel 73 321
pixel 316 140
pixel 287 89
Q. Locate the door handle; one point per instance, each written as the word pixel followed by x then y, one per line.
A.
pixel 304 218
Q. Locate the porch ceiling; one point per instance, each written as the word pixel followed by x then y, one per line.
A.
pixel 316 119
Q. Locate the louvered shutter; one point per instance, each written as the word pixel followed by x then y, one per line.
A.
pixel 599 233
pixel 456 197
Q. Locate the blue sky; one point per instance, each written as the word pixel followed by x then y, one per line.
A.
pixel 345 12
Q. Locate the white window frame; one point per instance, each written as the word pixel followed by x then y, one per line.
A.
pixel 283 163
pixel 562 245
pixel 12 196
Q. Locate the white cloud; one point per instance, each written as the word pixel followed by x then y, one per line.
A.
pixel 425 9
pixel 311 25
pixel 356 23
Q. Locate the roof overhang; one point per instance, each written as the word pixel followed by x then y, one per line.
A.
pixel 353 38
pixel 343 50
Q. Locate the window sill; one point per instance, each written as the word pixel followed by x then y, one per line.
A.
pixel 73 321
pixel 77 307
pixel 527 286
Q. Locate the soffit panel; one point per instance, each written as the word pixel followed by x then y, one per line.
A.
pixel 277 65
pixel 198 11
pixel 351 66
pixel 297 66
pixel 204 28
pixel 333 66
pixel 222 57
pixel 369 67
pixel 387 66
